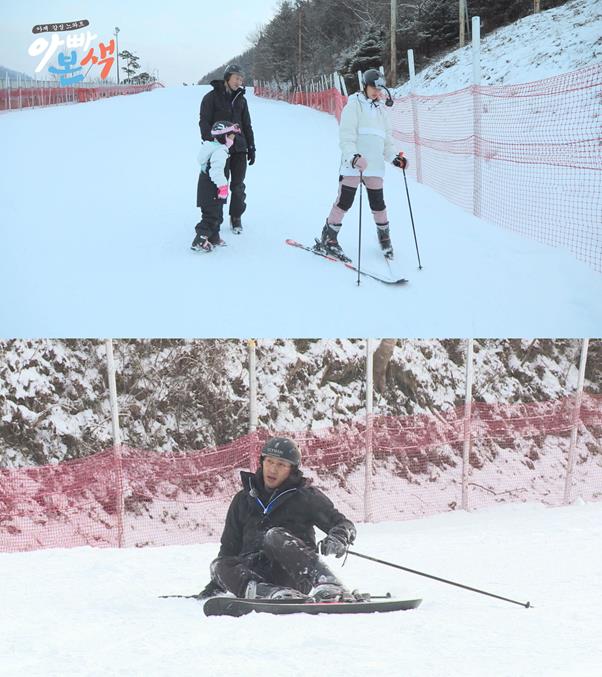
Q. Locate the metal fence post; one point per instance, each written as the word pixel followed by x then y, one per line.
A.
pixel 252 386
pixel 476 104
pixel 576 419
pixel 368 513
pixel 116 437
pixel 415 119
pixel 467 424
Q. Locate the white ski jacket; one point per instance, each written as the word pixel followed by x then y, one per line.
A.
pixel 212 158
pixel 365 129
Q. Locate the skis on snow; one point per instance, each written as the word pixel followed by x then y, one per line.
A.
pixel 234 606
pixel 374 276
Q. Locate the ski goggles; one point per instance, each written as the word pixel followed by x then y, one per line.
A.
pixel 232 129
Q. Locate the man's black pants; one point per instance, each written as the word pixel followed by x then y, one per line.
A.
pixel 237 164
pixel 284 560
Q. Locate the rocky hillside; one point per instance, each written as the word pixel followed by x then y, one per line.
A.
pixel 184 395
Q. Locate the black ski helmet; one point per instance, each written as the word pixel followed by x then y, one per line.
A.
pixel 283 449
pixel 375 78
pixel 231 69
pixel 371 77
pixel 222 128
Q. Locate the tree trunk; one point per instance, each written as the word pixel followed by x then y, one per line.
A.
pixel 382 357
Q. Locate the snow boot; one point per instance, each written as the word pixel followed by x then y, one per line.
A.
pixel 328 242
pixel 236 224
pixel 257 590
pixel 384 239
pixel 331 592
pixel 201 244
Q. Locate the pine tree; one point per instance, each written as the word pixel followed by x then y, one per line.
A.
pixel 368 53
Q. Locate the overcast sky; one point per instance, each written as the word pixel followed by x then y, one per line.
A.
pixel 183 39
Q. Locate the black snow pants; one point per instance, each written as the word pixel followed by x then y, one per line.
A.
pixel 284 560
pixel 238 170
pixel 212 209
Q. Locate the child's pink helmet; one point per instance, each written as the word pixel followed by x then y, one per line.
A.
pixel 222 128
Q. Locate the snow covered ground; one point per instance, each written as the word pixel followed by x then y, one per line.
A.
pixel 96 612
pixel 558 40
pixel 96 239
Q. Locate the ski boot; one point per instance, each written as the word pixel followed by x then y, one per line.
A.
pixel 332 592
pixel 218 242
pixel 257 590
pixel 328 242
pixel 236 224
pixel 201 244
pixel 384 239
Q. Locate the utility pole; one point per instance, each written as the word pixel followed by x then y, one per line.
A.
pixel 300 43
pixel 393 78
pixel 461 19
pixel 117 47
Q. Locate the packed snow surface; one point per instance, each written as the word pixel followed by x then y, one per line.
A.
pixel 96 239
pixel 96 229
pixel 92 611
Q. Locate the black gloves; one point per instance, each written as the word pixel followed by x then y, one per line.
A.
pixel 251 155
pixel 338 540
pixel 400 161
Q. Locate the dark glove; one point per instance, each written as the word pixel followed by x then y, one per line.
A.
pixel 360 163
pixel 251 155
pixel 400 161
pixel 338 540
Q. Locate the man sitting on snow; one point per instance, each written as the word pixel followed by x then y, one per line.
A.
pixel 268 547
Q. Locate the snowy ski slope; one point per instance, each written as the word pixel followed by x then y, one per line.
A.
pixel 96 231
pixel 95 612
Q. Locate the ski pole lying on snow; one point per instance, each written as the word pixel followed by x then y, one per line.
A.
pixel 436 578
pixel 412 219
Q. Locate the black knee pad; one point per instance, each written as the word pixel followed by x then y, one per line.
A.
pixel 346 199
pixel 274 538
pixel 212 567
pixel 376 199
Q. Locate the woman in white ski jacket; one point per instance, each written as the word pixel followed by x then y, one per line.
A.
pixel 366 143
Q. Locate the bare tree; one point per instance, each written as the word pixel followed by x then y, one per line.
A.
pixel 382 357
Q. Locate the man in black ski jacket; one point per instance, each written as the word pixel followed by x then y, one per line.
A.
pixel 268 547
pixel 227 102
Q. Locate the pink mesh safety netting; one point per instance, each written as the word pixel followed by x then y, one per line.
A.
pixel 329 101
pixel 136 498
pixel 15 97
pixel 526 157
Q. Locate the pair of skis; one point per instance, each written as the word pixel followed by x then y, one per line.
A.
pixel 235 606
pixel 349 265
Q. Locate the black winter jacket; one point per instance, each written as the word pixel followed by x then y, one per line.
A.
pixel 220 104
pixel 294 505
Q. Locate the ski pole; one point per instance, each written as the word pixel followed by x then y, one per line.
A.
pixel 527 605
pixel 412 219
pixel 359 244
